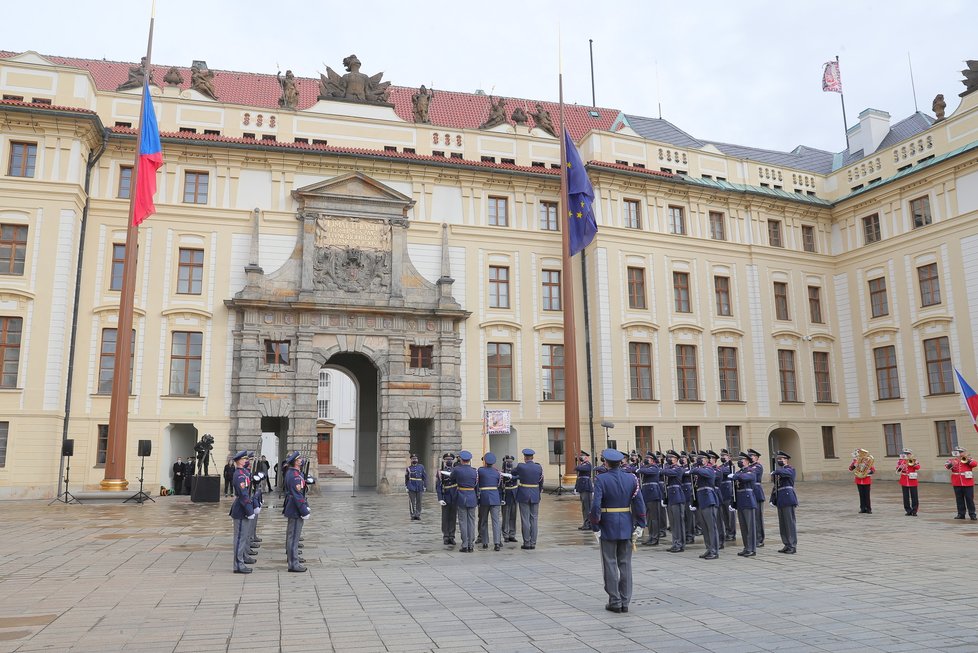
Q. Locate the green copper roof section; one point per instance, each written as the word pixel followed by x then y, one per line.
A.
pixel 774 193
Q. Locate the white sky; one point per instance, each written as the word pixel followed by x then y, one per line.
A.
pixel 741 71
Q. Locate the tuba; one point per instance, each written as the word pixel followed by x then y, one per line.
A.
pixel 863 461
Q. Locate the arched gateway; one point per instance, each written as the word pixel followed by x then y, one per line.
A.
pixel 349 297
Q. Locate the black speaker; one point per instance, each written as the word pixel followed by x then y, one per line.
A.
pixel 205 489
pixel 145 447
pixel 558 447
pixel 612 444
pixel 68 448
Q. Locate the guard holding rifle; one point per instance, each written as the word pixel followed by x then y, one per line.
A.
pixel 296 509
pixel 510 484
pixel 416 483
pixel 584 487
pixel 746 503
pixel 241 511
pixel 446 490
pixel 648 475
pixel 783 497
pixel 962 468
pixel 758 467
pixel 908 468
pixel 530 482
pixel 704 478
pixel 675 501
pixel 488 486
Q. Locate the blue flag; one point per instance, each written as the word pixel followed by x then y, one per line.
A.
pixel 581 225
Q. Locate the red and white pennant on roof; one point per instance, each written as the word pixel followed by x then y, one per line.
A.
pixel 831 79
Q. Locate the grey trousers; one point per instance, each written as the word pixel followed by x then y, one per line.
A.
pixel 448 516
pixel 729 517
pixel 466 525
pixel 689 520
pixel 414 503
pixel 485 514
pixel 509 519
pixel 677 520
pixel 240 543
pixel 292 533
pixel 708 524
pixel 787 526
pixel 662 519
pixel 585 507
pixel 528 522
pixel 748 532
pixel 616 564
pixel 759 521
pixel 652 512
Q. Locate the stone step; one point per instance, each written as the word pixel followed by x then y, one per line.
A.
pixel 332 471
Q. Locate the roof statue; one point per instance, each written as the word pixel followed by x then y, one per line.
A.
pixel 421 101
pixel 354 85
pixel 173 77
pixel 202 79
pixel 939 106
pixel 970 80
pixel 543 121
pixel 497 114
pixel 519 116
pixel 137 75
pixel 290 90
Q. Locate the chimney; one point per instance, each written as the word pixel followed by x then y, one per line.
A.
pixel 873 127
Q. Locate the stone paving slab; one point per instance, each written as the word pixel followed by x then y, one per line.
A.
pixel 157 578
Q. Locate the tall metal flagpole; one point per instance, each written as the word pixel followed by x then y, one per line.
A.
pixel 115 452
pixel 842 97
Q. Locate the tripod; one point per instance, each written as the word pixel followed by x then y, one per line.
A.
pixel 559 490
pixel 140 496
pixel 66 497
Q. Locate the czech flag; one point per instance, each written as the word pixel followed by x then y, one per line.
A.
pixel 970 398
pixel 150 160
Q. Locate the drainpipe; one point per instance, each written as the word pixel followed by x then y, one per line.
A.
pixel 93 158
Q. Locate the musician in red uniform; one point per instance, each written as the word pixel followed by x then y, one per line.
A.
pixel 863 484
pixel 908 467
pixel 962 468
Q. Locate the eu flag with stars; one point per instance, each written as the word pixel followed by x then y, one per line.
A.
pixel 581 225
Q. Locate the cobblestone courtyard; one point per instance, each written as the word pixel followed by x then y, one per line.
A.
pixel 157 577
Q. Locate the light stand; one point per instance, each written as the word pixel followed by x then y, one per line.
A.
pixel 559 490
pixel 607 434
pixel 140 496
pixel 66 497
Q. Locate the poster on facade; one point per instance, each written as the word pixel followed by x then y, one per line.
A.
pixel 497 422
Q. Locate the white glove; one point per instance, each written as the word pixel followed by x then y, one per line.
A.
pixel 730 475
pixel 731 509
pixel 771 503
pixel 258 510
pixel 506 475
pixel 445 472
pixel 305 517
pixel 597 536
pixel 310 480
pixel 442 503
pixel 250 517
pixel 637 533
pixel 663 504
pixel 692 508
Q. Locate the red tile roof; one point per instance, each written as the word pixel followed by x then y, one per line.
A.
pixel 44 105
pixel 449 109
pixel 619 166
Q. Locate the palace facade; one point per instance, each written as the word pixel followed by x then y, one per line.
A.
pixel 398 250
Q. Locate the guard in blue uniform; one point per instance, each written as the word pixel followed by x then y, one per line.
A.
pixel 416 483
pixel 728 514
pixel 466 478
pixel 583 487
pixel 692 528
pixel 660 460
pixel 784 498
pixel 529 475
pixel 296 509
pixel 675 500
pixel 242 510
pixel 510 483
pixel 489 488
pixel 617 516
pixel 257 502
pixel 648 476
pixel 746 503
pixel 758 467
pixel 706 504
pixel 446 490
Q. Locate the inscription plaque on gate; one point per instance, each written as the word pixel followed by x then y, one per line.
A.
pixel 352 255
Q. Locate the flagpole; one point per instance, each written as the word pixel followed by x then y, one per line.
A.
pixel 115 450
pixel 842 97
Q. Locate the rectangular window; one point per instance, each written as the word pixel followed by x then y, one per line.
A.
pixel 774 233
pixel 11 329
pixel 498 212
pixel 721 286
pixel 553 372
pixel 828 442
pixel 548 216
pixel 499 362
pixel 422 357
pixel 893 435
pixel 185 360
pixel 106 362
pixel 276 352
pixel 551 290
pixel 686 373
pixel 823 378
pixel 887 381
pixel 633 219
pixel 877 297
pixel 871 228
pixel 498 286
pixel 786 374
pixel 920 210
pixel 636 288
pixel 195 187
pixel 718 230
pixel 947 436
pixel 691 437
pixel 13 248
pixel 190 271
pixel 640 370
pixel 644 440
pixel 781 301
pixel 125 182
pixel 4 432
pixel 556 435
pixel 937 352
pixel 118 264
pixel 102 445
pixel 815 304
pixel 732 436
pixel 808 237
pixel 323 396
pixel 680 287
pixel 729 378
pixel 677 220
pixel 23 157
pixel 930 285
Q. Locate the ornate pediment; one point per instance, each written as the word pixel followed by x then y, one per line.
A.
pixel 354 192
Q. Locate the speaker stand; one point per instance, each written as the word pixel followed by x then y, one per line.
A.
pixel 559 490
pixel 66 497
pixel 140 496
